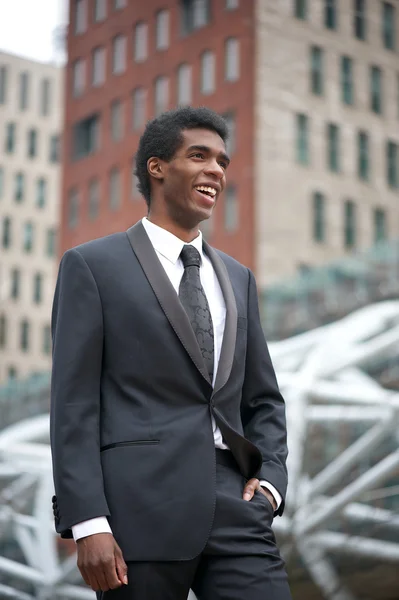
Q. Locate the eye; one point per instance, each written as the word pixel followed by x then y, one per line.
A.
pixel 198 155
pixel 223 164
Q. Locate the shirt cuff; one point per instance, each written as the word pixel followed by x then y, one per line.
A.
pixel 276 495
pixel 90 527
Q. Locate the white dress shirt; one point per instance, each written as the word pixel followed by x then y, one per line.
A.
pixel 168 248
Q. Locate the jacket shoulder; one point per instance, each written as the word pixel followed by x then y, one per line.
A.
pixel 95 249
pixel 231 262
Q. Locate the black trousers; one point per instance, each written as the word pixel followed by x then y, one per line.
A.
pixel 240 561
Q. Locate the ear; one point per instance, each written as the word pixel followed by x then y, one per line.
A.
pixel 155 167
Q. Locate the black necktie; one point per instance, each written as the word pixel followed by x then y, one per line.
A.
pixel 193 298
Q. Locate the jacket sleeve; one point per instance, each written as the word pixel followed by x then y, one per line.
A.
pixel 77 331
pixel 262 406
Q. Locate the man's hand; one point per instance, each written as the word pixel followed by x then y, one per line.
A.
pixel 252 486
pixel 101 563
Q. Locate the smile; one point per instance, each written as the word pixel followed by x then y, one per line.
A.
pixel 208 190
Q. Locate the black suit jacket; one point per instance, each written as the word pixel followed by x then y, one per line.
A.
pixel 131 404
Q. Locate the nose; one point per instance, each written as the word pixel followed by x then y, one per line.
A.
pixel 213 168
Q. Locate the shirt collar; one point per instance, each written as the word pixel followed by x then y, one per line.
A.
pixel 168 244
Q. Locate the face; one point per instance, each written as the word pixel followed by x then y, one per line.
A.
pixel 195 177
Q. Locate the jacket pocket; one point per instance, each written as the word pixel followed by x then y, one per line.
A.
pixel 132 443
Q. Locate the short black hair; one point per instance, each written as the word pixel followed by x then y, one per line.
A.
pixel 162 138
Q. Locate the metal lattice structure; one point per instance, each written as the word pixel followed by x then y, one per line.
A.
pixel 338 378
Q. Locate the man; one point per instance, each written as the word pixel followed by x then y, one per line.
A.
pixel 167 427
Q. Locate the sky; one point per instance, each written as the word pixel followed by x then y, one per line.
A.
pixel 27 27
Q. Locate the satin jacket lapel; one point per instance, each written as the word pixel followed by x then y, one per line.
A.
pixel 230 328
pixel 166 294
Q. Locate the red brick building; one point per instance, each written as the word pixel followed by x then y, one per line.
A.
pixel 129 60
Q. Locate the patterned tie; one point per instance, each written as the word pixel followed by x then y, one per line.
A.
pixel 195 303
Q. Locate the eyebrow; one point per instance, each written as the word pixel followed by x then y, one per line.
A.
pixel 208 150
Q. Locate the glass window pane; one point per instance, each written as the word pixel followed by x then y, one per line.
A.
pixel 363 155
pixel 19 191
pixel 45 90
pixel 300 9
pixel 208 74
pixel 114 189
pixel 232 59
pixel 15 284
pixel 41 192
pixel 3 84
pixel 302 139
pixel 319 218
pixel 359 21
pixel 161 95
pixel 350 224
pixel 38 288
pixel 333 158
pixel 51 243
pixel 3 331
pixel 184 85
pixel 119 55
pixel 28 235
pixel 231 4
pixel 6 232
pixel 80 16
pixel 73 208
pixel 388 25
pixel 32 143
pixel 140 42
pixel 376 90
pixel 231 209
pixel 54 148
pixel 94 199
pixel 380 225
pixel 98 66
pixel 392 158
pixel 23 90
pixel 100 10
pixel 347 80
pixel 330 14
pixel 79 77
pixel 317 70
pixel 139 99
pixel 162 30
pixel 10 138
pixel 24 336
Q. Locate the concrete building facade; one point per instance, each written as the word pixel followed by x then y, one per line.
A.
pixel 31 114
pixel 311 90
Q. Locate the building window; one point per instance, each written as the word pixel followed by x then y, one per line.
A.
pixel 54 154
pixel 330 14
pixel 302 139
pixel 24 336
pixel 317 70
pixel 119 4
pixel 38 288
pixel 100 10
pixel 3 331
pixel 80 16
pixel 28 234
pixel 73 208
pixel 349 224
pixel 15 284
pixel 359 19
pixel 119 54
pixel 2 179
pixel 3 84
pixel 208 74
pixel 86 137
pixel 319 217
pixel 184 85
pixel 162 30
pixel 388 25
pixel 392 158
pixel 333 148
pixel 231 126
pixel 45 92
pixel 231 209
pixel 47 340
pixel 23 90
pixel 12 373
pixel 116 120
pixel 51 240
pixel 363 160
pixel 6 233
pixel 10 137
pixel 140 42
pixel 94 199
pixel 194 15
pixel 161 94
pixel 32 143
pixel 19 192
pixel 231 4
pixel 232 59
pixel 79 77
pixel 138 108
pixel 301 9
pixel 98 67
pixel 114 189
pixel 376 90
pixel 380 225
pixel 347 80
pixel 41 192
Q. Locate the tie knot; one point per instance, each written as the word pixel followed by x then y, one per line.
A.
pixel 190 256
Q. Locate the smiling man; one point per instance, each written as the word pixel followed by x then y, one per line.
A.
pixel 167 426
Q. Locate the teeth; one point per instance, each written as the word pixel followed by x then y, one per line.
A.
pixel 203 188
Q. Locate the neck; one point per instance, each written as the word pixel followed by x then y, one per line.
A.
pixel 186 235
